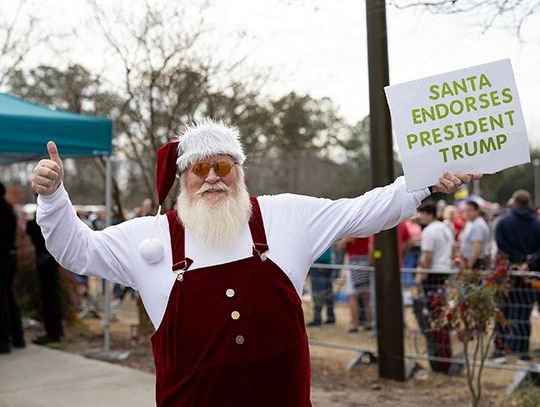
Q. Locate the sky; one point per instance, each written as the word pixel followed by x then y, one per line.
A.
pixel 319 46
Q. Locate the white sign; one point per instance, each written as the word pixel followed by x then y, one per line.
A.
pixel 468 120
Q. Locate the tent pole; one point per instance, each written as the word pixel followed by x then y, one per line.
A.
pixel 106 291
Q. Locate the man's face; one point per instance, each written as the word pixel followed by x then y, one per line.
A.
pixel 470 212
pixel 212 188
pixel 424 218
pixel 215 208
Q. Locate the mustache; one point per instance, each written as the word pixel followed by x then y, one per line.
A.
pixel 218 186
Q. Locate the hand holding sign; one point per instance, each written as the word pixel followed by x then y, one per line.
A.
pixel 466 121
pixel 449 183
pixel 48 174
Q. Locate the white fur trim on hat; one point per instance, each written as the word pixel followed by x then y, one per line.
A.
pixel 208 138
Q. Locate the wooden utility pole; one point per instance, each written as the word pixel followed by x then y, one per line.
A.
pixel 387 273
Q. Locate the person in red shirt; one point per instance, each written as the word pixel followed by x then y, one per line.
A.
pixel 357 250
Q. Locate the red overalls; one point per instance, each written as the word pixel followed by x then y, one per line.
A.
pixel 232 334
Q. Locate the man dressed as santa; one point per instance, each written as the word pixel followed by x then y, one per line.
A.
pixel 221 276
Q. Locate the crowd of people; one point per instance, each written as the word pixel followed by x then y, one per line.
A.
pixel 436 242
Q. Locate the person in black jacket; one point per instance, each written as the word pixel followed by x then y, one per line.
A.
pixel 11 332
pixel 49 281
pixel 518 237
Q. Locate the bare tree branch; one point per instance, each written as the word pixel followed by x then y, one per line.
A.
pixel 18 37
pixel 508 14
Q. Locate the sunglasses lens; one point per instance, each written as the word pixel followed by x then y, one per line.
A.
pixel 222 168
pixel 200 169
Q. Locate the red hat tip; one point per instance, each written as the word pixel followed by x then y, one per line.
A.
pixel 166 168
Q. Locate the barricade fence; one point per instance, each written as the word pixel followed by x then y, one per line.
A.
pixel 340 313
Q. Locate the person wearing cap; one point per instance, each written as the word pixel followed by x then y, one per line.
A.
pixel 221 276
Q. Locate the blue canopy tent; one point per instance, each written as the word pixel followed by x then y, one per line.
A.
pixel 25 129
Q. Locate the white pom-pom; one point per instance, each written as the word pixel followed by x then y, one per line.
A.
pixel 151 250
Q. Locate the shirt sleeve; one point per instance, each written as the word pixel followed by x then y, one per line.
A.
pixel 300 228
pixel 477 233
pixel 379 209
pixel 427 242
pixel 107 254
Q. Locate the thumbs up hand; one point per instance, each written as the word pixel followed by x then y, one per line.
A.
pixel 48 174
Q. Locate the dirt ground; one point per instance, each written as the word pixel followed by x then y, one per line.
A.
pixel 333 384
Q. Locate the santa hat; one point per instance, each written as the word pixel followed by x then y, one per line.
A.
pixel 198 141
pixel 208 138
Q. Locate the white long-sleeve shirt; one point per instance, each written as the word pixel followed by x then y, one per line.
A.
pixel 298 230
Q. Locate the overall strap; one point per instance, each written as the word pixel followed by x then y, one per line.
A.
pixel 256 226
pixel 176 230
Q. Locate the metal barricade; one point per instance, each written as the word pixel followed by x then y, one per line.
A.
pixel 516 346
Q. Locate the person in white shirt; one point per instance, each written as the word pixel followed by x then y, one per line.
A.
pixel 436 245
pixel 221 276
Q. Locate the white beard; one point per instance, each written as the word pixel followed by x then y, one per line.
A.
pixel 215 224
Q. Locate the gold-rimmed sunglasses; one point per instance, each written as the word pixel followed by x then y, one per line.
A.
pixel 222 168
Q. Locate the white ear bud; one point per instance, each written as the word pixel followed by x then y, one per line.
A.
pixel 151 250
